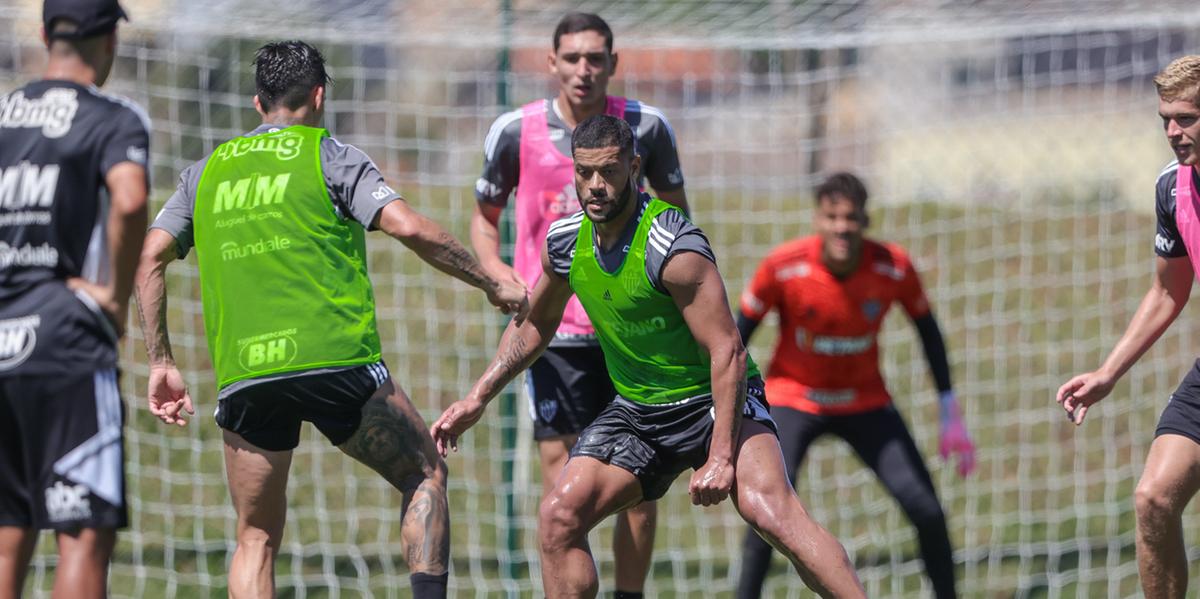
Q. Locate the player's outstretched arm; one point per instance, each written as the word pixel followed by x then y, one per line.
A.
pixel 167 395
pixel 695 284
pixel 1162 304
pixel 485 240
pixel 520 345
pixel 127 218
pixel 442 251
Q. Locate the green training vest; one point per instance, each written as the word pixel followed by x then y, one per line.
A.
pixel 283 278
pixel 651 354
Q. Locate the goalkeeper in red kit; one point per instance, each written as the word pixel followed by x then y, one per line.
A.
pixel 832 291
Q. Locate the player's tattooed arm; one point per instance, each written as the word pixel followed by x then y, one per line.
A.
pixel 166 394
pixel 442 251
pixel 150 288
pixel 523 341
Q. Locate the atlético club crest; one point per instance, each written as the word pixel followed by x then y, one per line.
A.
pixel 872 308
pixel 547 409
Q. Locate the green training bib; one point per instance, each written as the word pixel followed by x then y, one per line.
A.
pixel 651 354
pixel 283 277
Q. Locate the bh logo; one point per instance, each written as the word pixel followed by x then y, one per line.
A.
pixel 267 354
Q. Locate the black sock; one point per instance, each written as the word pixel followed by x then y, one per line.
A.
pixel 428 586
pixel 627 595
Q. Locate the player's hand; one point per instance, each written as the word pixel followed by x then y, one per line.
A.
pixel 511 295
pixel 113 310
pixel 712 483
pixel 955 441
pixel 168 396
pixel 460 416
pixel 1079 393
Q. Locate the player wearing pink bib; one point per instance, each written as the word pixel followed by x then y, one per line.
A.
pixel 528 150
pixel 1172 473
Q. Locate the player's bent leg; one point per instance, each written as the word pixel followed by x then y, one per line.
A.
pixel 1169 481
pixel 587 491
pixel 767 502
pixel 394 441
pixel 633 534
pixel 797 431
pixel 884 444
pixel 258 488
pixel 83 557
pixel 633 546
pixel 16 549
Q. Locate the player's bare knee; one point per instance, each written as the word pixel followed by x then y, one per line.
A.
pixel 558 524
pixel 762 511
pixel 257 540
pixel 643 515
pixel 1153 503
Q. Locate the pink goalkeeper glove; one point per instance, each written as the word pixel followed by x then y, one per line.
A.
pixel 955 440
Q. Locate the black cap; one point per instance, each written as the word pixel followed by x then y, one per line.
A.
pixel 94 17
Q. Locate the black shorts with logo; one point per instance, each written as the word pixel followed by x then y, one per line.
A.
pixel 1182 414
pixel 62 458
pixel 268 414
pixel 567 387
pixel 657 443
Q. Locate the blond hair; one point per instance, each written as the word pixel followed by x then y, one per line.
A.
pixel 1180 80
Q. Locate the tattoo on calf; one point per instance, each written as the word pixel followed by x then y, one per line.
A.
pixel 392 442
pixel 427 524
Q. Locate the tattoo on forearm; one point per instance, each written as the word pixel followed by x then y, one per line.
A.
pixel 511 360
pixel 158 341
pixel 514 355
pixel 454 256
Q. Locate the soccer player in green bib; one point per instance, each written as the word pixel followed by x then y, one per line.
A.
pixel 689 396
pixel 278 219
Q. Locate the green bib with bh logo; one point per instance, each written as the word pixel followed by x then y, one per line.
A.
pixel 283 277
pixel 649 350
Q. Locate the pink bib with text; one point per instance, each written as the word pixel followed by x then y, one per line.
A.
pixel 546 193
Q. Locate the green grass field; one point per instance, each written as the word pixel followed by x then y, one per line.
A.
pixel 1026 298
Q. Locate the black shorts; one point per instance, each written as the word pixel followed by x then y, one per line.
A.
pixel 268 414
pixel 657 443
pixel 1182 414
pixel 62 457
pixel 567 387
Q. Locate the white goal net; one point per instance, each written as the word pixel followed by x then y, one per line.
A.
pixel 1012 148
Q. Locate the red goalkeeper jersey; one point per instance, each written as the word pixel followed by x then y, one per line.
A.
pixel 827 358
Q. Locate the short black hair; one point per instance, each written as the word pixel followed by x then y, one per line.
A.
pixel 285 72
pixel 583 21
pixel 603 131
pixel 843 184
